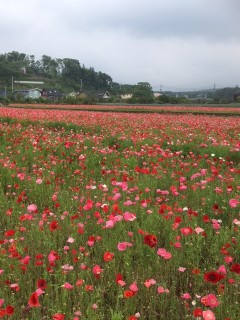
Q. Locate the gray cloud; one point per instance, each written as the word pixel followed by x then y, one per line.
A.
pixel 159 19
pixel 176 43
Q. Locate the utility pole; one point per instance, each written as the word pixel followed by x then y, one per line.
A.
pixel 161 86
pixel 214 90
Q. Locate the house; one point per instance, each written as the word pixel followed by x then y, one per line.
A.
pixel 72 94
pixel 28 93
pixel 157 94
pixel 106 95
pixel 51 94
pixel 3 93
pixel 80 95
pixel 126 96
pixel 83 95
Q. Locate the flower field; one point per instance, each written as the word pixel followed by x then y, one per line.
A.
pixel 117 216
pixel 213 110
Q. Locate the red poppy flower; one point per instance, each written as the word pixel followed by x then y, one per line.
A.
pixel 196 271
pixel 9 233
pixel 235 268
pixel 54 225
pixel 108 256
pixel 128 293
pixel 197 312
pixel 186 231
pixel 2 313
pixel 9 310
pixel 206 218
pixel 119 277
pixel 213 277
pixel 33 301
pixel 58 316
pixel 150 240
pixel 39 256
pixel 41 284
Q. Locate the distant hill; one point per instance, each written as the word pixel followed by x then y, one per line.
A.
pixel 65 74
pixel 69 75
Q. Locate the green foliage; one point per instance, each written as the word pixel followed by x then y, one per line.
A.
pixel 227 94
pixel 142 94
pixel 67 74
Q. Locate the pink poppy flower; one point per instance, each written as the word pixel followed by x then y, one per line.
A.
pixel 167 256
pixel 186 296
pixel 32 207
pixel 52 256
pixel 67 286
pixel 133 287
pixel 160 290
pixel 177 244
pixel 128 216
pixel 121 283
pixel 199 230
pixel 210 301
pixel 149 282
pixel 39 292
pixel 88 205
pixel 1 302
pixel 222 269
pixel 164 254
pixel 228 259
pixel 14 286
pixel 110 224
pixel 116 196
pixel 21 175
pixel 233 203
pixel 123 245
pixel 208 315
pixel 70 240
pixel 203 172
pixel 97 269
pixel 25 260
pixel 236 221
pixel 161 252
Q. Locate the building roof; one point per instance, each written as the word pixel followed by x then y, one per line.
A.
pixel 51 92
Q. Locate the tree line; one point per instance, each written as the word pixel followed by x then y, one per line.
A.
pixel 65 73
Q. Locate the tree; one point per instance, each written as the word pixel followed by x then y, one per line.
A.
pixel 143 93
pixel 71 69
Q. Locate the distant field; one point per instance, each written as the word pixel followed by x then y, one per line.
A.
pixel 213 109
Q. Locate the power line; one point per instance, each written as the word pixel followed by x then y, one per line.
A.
pixel 186 89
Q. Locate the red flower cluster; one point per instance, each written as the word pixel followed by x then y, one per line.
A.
pixel 8 311
pixel 235 268
pixel 150 240
pixel 213 277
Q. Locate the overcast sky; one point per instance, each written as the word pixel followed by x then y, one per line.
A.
pixel 176 44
